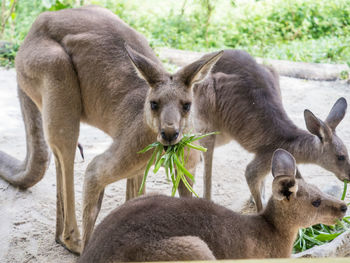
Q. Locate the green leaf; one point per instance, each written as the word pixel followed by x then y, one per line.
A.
pixel 327 237
pixel 167 173
pixel 182 168
pixel 313 240
pixel 176 185
pixel 188 186
pixel 148 166
pixel 158 165
pixel 159 151
pixel 345 189
pixel 196 147
pixel 205 135
pixel 149 147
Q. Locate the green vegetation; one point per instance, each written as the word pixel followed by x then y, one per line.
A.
pixel 298 30
pixel 173 158
pixel 321 234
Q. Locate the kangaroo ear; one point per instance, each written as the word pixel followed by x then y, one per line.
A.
pixel 316 126
pixel 145 68
pixel 284 170
pixel 198 70
pixel 298 174
pixel 283 163
pixel 337 113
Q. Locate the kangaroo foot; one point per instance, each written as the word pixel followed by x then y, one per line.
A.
pixel 252 202
pixel 71 243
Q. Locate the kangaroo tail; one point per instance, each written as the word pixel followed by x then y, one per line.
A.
pixel 30 171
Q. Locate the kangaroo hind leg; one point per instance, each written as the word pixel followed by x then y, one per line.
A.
pixel 255 174
pixel 61 112
pixel 172 249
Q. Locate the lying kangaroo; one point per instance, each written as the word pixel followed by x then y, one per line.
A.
pixel 165 228
pixel 74 66
pixel 242 100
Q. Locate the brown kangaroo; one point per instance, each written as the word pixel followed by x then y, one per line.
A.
pixel 79 65
pixel 242 100
pixel 160 228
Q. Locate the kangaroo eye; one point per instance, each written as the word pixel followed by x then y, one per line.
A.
pixel 316 203
pixel 341 157
pixel 186 107
pixel 154 105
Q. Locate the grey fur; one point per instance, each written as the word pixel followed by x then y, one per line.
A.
pixel 80 65
pixel 153 228
pixel 242 100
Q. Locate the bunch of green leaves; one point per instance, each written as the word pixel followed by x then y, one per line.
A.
pixel 173 158
pixel 320 234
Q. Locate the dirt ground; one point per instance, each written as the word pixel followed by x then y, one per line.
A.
pixel 27 218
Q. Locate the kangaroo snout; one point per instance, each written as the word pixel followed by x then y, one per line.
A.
pixel 169 136
pixel 343 208
pixel 337 211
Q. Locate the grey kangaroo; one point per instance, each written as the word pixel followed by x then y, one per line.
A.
pixel 166 228
pixel 242 100
pixel 81 65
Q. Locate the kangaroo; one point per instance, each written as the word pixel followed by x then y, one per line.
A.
pixel 242 100
pixel 167 228
pixel 87 65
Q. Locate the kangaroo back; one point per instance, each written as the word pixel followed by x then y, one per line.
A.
pixel 248 105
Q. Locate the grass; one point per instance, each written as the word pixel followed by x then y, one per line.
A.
pixel 321 234
pixel 173 158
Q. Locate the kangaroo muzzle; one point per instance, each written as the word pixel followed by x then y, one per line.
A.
pixel 169 136
pixel 170 130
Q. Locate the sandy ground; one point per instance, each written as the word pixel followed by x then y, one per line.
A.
pixel 27 218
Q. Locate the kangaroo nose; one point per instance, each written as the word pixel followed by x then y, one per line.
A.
pixel 169 136
pixel 343 208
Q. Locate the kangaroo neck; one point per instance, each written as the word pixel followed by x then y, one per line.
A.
pixel 256 236
pixel 284 229
pixel 305 147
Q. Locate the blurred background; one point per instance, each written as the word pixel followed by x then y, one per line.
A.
pixel 296 30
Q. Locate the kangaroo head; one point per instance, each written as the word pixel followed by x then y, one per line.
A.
pixel 169 98
pixel 300 203
pixel 334 155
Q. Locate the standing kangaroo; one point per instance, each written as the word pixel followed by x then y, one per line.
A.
pixel 74 66
pixel 242 100
pixel 166 228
